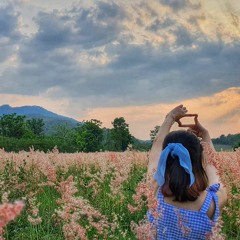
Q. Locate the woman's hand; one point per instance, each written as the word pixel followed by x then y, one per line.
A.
pixel 177 113
pixel 197 128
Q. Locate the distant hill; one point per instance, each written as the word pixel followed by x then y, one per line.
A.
pixel 50 119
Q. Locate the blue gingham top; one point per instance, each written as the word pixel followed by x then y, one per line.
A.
pixel 178 223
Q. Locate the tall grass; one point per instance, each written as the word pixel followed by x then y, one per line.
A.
pixel 88 196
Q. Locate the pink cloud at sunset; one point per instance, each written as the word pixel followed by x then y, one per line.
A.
pixel 219 113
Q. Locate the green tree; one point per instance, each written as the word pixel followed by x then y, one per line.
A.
pixel 62 131
pixel 107 142
pixel 66 136
pixel 89 135
pixel 13 125
pixel 141 145
pixel 36 125
pixel 237 145
pixel 120 134
pixel 154 132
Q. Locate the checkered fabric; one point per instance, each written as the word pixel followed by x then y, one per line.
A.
pixel 178 223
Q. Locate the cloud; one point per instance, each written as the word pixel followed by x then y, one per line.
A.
pixel 119 54
pixel 8 22
pixel 9 34
pixel 85 28
pixel 53 32
pixel 175 4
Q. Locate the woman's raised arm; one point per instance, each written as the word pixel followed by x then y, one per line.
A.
pixel 174 115
pixel 211 171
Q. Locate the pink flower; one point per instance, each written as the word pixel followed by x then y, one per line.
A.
pixel 9 212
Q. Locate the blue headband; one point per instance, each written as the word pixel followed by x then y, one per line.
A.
pixel 176 149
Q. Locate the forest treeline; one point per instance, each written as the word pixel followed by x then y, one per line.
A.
pixel 232 140
pixel 19 133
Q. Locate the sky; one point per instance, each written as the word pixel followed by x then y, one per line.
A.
pixel 135 59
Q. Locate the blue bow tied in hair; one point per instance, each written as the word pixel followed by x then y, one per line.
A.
pixel 176 149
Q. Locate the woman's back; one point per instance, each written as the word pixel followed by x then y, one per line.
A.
pixel 181 223
pixel 187 209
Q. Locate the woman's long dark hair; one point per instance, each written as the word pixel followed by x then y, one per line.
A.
pixel 177 180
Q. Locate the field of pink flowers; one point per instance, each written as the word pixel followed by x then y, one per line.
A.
pixel 92 195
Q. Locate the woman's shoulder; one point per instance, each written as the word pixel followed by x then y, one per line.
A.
pixel 187 205
pixel 212 199
pixel 205 203
pixel 221 193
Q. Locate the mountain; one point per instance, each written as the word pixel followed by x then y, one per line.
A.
pixel 50 118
